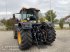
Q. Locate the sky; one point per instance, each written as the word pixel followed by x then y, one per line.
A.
pixel 8 7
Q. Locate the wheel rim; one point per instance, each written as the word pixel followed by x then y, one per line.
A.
pixel 19 38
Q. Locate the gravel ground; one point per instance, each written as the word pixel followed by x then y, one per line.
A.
pixel 61 44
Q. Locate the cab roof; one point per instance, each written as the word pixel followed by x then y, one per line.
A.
pixel 26 9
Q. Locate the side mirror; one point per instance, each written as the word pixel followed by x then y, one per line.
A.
pixel 17 16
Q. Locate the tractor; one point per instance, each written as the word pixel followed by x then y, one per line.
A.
pixel 29 31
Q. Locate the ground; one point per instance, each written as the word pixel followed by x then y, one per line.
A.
pixel 61 44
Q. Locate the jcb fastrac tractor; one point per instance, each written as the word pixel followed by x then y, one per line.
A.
pixel 29 31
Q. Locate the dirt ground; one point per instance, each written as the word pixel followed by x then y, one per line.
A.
pixel 61 44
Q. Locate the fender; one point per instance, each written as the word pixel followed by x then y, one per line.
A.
pixel 48 24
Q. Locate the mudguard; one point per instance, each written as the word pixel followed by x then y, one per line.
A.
pixel 48 24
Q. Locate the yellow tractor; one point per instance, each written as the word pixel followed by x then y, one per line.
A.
pixel 29 31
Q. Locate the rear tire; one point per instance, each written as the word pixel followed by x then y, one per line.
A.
pixel 51 36
pixel 26 40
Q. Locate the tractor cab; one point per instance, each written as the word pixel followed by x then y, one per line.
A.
pixel 27 15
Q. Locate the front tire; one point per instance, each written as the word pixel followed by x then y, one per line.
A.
pixel 15 34
pixel 26 40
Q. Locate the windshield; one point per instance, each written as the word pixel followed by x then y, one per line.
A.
pixel 25 16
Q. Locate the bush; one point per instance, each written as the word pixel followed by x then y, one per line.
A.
pixel 43 19
pixel 9 23
pixel 61 23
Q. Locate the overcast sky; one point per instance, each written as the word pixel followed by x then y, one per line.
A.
pixel 62 7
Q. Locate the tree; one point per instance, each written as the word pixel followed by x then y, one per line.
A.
pixel 56 21
pixel 50 15
pixel 61 23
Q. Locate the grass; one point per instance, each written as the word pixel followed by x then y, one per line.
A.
pixel 64 28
